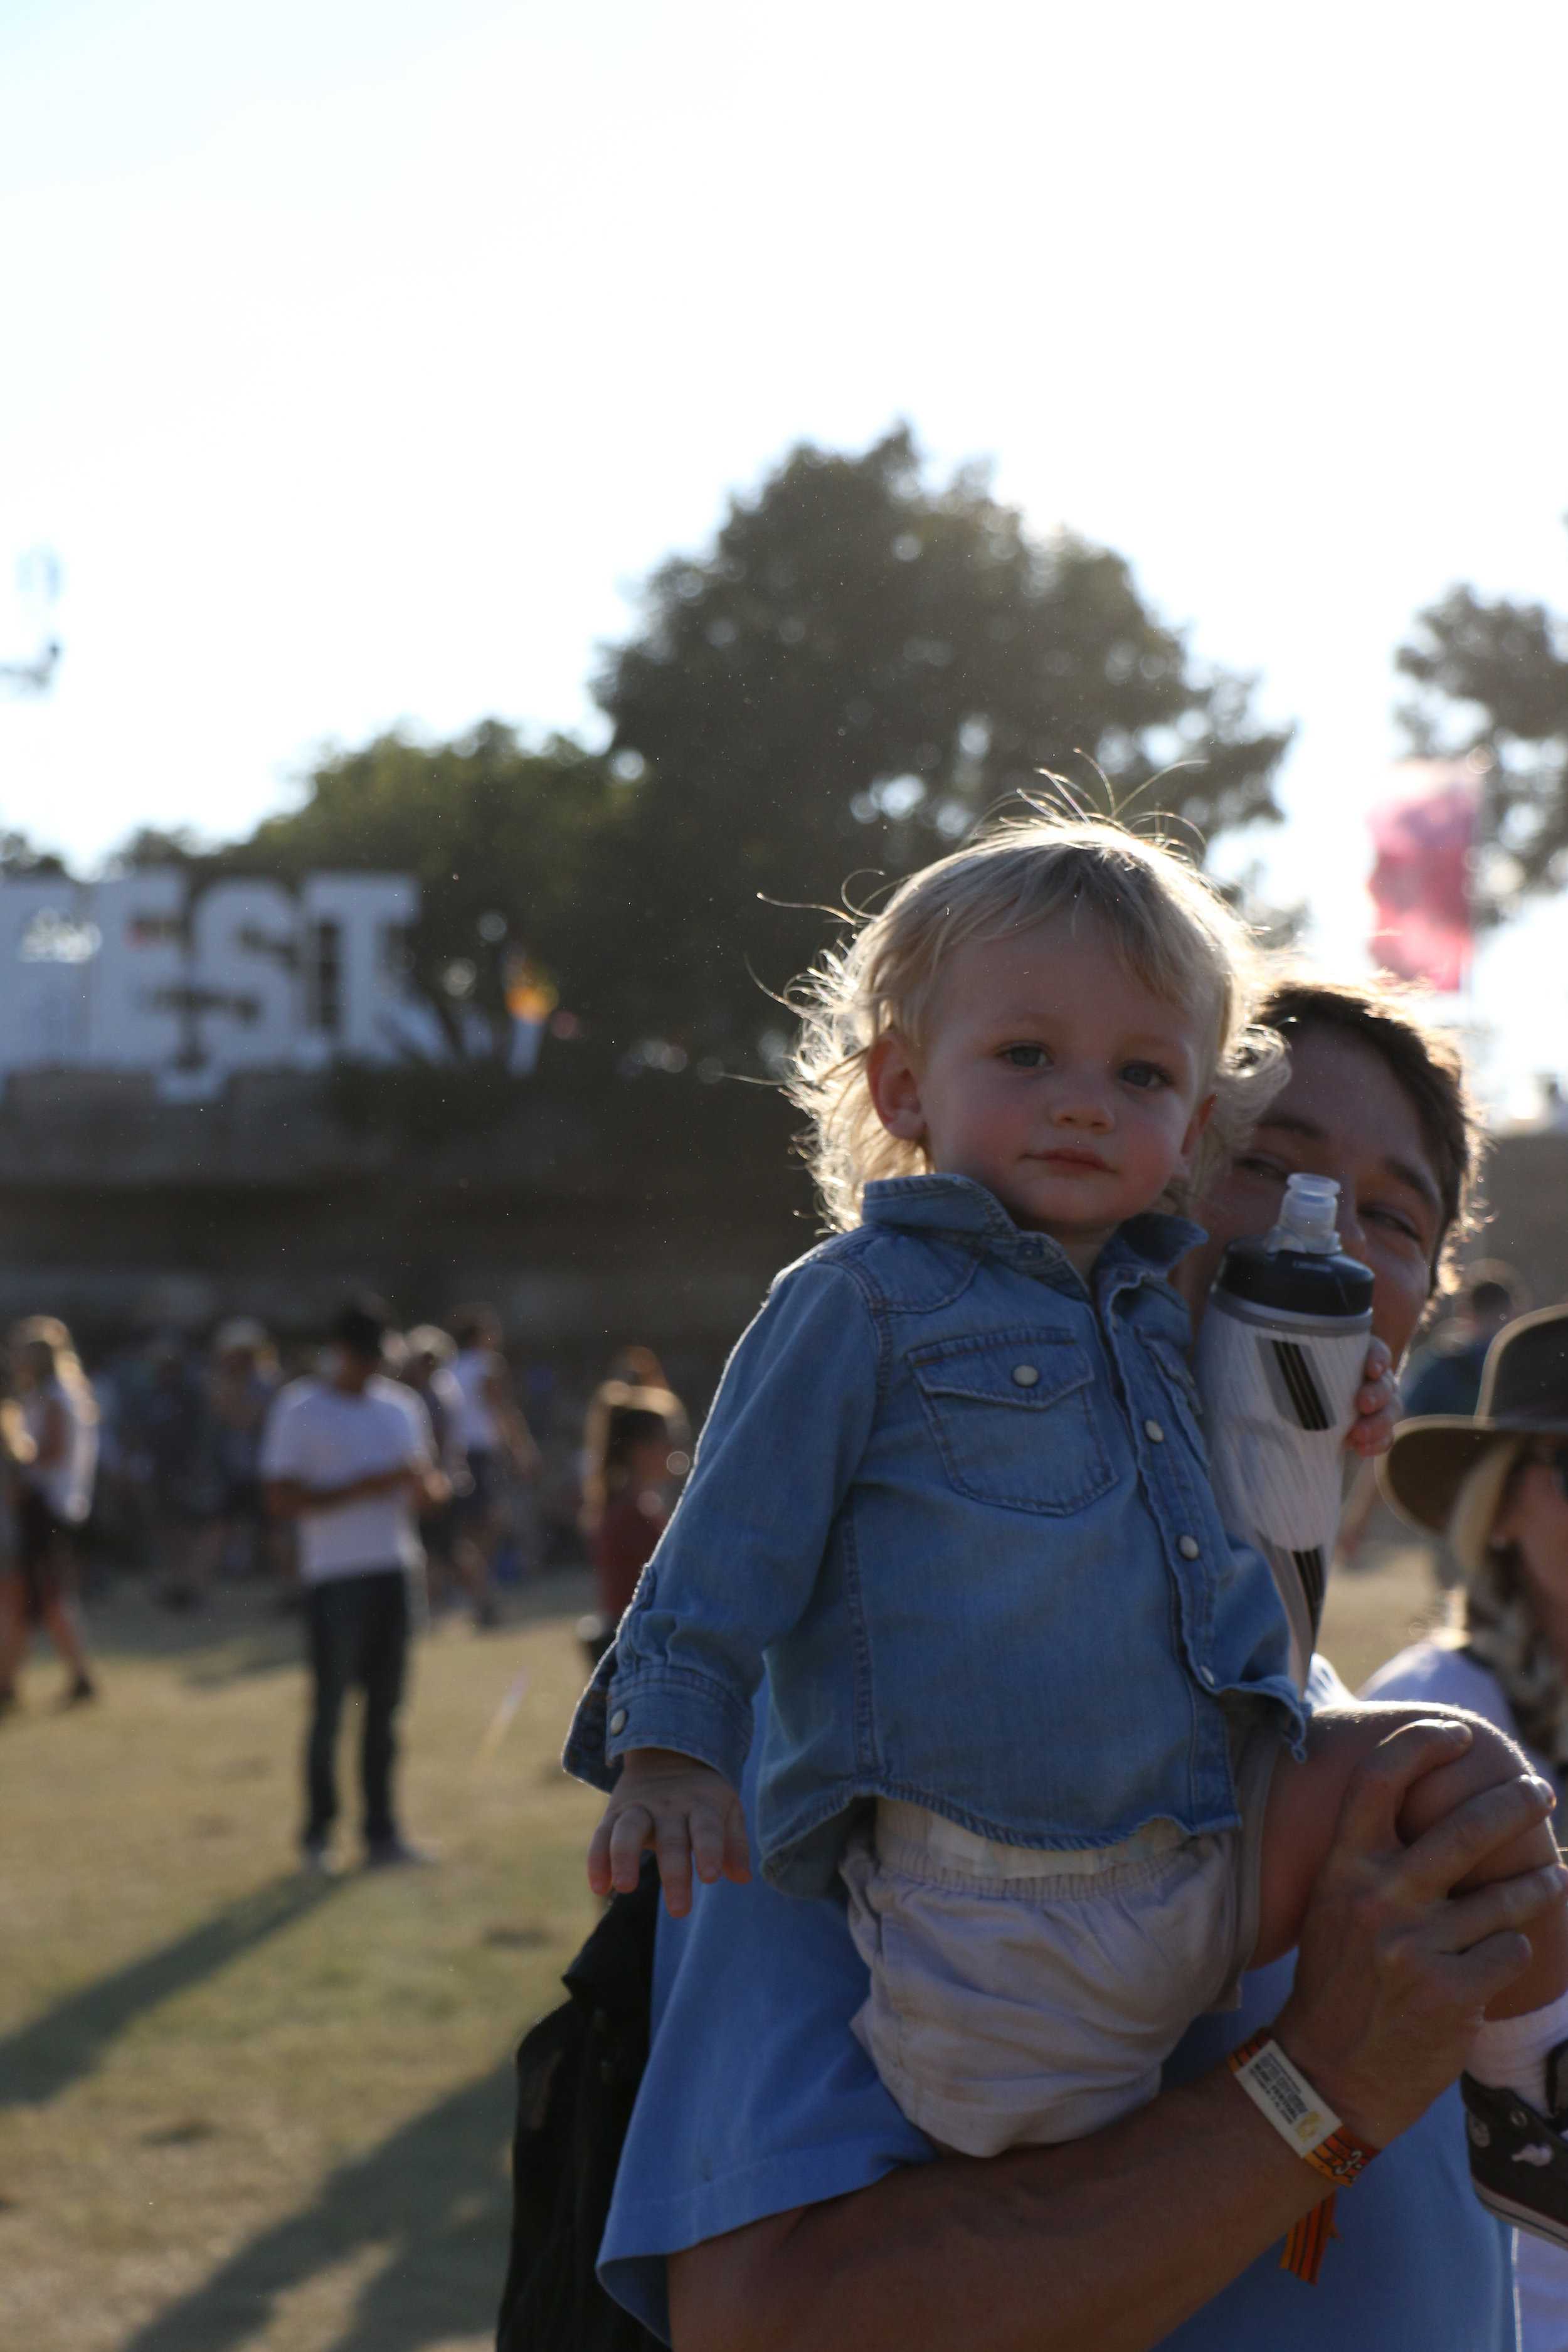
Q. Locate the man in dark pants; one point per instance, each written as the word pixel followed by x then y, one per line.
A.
pixel 349 1454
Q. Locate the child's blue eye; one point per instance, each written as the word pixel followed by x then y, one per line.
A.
pixel 1025 1057
pixel 1148 1076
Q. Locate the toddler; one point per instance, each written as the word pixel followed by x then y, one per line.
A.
pixel 1027 1707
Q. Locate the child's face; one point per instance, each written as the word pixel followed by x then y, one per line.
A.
pixel 1055 1079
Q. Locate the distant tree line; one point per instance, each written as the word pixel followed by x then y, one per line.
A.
pixel 1492 676
pixel 863 663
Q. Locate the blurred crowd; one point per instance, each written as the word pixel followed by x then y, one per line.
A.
pixel 146 1463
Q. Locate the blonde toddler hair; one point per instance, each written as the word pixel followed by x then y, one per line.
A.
pixel 1164 919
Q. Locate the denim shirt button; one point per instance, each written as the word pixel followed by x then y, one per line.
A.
pixel 1154 1433
pixel 1026 1375
pixel 617 1721
pixel 1189 1546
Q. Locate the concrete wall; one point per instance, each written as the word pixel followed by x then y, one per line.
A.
pixel 590 1211
pixel 650 1208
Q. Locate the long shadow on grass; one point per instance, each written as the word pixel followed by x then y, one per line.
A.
pixel 241 1632
pixel 435 2195
pixel 38 2061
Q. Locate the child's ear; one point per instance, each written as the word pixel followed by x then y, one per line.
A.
pixel 1193 1136
pixel 893 1079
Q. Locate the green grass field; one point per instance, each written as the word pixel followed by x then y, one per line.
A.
pixel 240 2108
pixel 237 2108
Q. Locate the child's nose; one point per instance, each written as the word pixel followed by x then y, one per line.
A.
pixel 1083 1101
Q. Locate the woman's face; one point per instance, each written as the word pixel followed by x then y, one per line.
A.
pixel 1534 1519
pixel 1341 1114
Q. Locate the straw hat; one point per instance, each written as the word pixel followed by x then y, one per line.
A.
pixel 1447 1471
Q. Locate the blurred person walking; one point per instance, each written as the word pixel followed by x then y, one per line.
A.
pixel 242 1381
pixel 497 1451
pixel 163 1425
pixel 53 1444
pixel 426 1368
pixel 349 1456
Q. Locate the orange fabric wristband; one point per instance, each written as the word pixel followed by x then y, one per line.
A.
pixel 1310 2124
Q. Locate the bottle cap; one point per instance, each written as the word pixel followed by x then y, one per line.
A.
pixel 1309 1216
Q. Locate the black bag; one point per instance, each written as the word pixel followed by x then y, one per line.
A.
pixel 577 2076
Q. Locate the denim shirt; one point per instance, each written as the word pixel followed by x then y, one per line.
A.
pixel 958 1500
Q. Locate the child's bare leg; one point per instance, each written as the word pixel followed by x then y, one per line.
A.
pixel 1304 1803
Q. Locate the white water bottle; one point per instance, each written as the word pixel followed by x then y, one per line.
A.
pixel 1281 1355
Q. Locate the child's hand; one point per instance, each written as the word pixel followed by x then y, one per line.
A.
pixel 685 1810
pixel 1377 1404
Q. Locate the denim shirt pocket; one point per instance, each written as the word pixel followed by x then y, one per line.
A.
pixel 1010 1414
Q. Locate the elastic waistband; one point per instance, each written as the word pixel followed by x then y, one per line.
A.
pixel 914 1827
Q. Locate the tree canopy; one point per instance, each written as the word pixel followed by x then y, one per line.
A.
pixel 861 664
pixel 1492 676
pixel 507 846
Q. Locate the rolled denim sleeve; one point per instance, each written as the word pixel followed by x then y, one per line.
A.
pixel 736 1567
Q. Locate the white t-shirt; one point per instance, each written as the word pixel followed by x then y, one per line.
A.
pixel 66 1485
pixel 472 1368
pixel 1432 1670
pixel 325 1437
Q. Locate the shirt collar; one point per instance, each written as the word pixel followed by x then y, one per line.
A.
pixel 1147 1246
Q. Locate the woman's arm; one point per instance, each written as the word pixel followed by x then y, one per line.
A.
pixel 291 1499
pixel 1112 2242
pixel 516 1436
pixel 1109 2243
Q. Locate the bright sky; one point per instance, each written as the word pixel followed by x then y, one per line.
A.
pixel 360 353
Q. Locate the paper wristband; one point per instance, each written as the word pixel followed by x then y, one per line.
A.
pixel 1282 2093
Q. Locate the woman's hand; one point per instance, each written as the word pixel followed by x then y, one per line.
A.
pixel 685 1812
pixel 1377 1404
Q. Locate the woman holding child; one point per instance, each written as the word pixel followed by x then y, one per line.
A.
pixel 1050 1087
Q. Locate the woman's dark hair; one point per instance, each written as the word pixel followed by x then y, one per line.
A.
pixel 629 1426
pixel 620 1417
pixel 1425 1064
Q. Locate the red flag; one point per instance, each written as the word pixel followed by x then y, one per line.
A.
pixel 1421 882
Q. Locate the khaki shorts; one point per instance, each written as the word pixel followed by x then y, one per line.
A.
pixel 1020 1996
